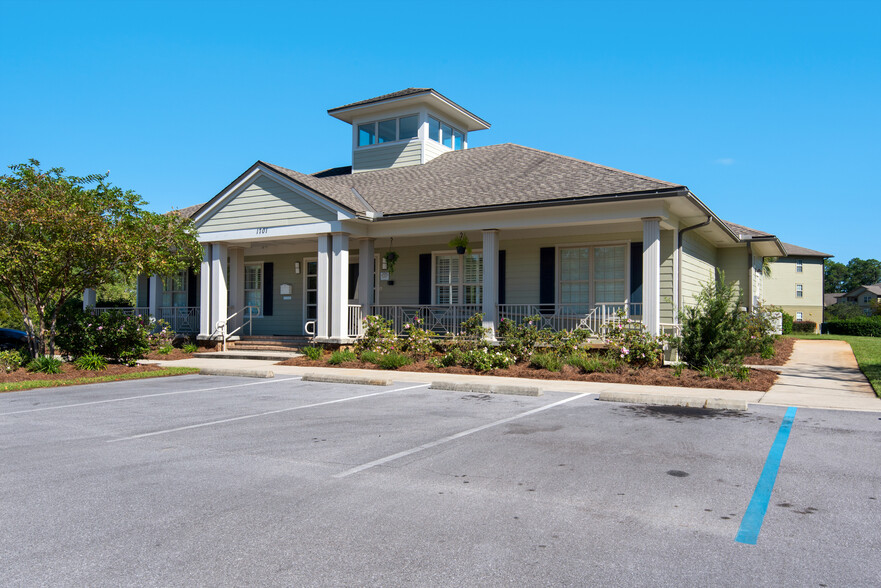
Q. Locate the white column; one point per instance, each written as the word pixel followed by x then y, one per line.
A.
pixel 365 275
pixel 155 296
pixel 236 285
pixel 339 287
pixel 205 293
pixel 218 285
pixel 322 323
pixel 90 298
pixel 490 280
pixel 651 274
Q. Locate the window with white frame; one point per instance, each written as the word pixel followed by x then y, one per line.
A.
pixel 445 134
pixel 799 291
pixel 799 316
pixel 593 275
pixel 386 131
pixel 254 288
pixel 458 279
pixel 799 266
pixel 174 289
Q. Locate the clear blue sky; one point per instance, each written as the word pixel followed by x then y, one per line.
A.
pixel 769 111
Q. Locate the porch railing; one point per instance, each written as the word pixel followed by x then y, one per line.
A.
pixel 126 310
pixel 181 319
pixel 356 320
pixel 568 317
pixel 443 320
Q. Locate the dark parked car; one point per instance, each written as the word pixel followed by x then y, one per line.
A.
pixel 12 339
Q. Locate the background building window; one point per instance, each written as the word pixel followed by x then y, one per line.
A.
pixel 799 316
pixel 799 291
pixel 799 266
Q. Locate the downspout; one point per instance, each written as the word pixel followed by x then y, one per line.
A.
pixel 679 264
pixel 750 275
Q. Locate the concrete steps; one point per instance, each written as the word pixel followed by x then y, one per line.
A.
pixel 248 354
pixel 261 348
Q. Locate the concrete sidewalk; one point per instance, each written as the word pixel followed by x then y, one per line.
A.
pixel 820 374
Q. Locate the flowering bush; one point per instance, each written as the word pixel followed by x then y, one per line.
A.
pixel 378 336
pixel 521 340
pixel 10 360
pixel 473 333
pixel 418 342
pixel 631 343
pixel 482 359
pixel 112 334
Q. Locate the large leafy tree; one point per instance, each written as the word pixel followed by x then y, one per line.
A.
pixel 839 277
pixel 62 234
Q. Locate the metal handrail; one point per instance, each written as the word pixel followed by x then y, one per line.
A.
pixel 222 324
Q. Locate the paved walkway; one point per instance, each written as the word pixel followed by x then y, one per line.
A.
pixel 820 374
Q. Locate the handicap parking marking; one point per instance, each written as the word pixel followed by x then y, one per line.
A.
pixel 261 414
pixel 94 402
pixel 459 435
pixel 751 524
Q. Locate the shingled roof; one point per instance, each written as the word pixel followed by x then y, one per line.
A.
pixel 398 94
pixel 495 175
pixel 803 251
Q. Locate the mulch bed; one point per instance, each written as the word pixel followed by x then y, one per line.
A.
pixel 759 380
pixel 782 352
pixel 70 371
pixel 174 355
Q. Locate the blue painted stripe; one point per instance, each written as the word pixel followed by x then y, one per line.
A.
pixel 758 505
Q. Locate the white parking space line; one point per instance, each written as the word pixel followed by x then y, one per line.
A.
pixel 146 396
pixel 260 414
pixel 449 438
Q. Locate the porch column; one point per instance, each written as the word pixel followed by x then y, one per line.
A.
pixel 490 281
pixel 90 298
pixel 322 325
pixel 205 293
pixel 236 285
pixel 339 287
pixel 365 275
pixel 155 296
pixel 218 286
pixel 651 274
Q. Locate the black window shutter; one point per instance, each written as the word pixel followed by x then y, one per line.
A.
pixel 547 277
pixel 192 294
pixel 353 279
pixel 636 272
pixel 502 276
pixel 425 278
pixel 267 289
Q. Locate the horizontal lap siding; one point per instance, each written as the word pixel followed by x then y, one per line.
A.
pixel 699 260
pixel 287 315
pixel 433 149
pixel 386 156
pixel 735 264
pixel 266 203
pixel 668 245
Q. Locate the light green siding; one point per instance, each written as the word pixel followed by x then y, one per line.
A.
pixel 386 156
pixel 699 260
pixel 735 263
pixel 266 203
pixel 668 246
pixel 433 149
pixel 287 315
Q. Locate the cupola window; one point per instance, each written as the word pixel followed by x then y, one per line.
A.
pixel 386 131
pixel 445 134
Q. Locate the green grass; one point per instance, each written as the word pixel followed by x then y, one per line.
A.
pixel 31 384
pixel 867 350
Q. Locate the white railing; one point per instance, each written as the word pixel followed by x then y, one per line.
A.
pixel 356 320
pixel 126 310
pixel 181 319
pixel 247 313
pixel 442 320
pixel 568 317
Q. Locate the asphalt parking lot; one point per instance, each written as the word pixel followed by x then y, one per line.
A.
pixel 200 480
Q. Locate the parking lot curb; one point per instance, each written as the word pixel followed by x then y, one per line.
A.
pixel 331 379
pixel 486 388
pixel 234 372
pixel 696 402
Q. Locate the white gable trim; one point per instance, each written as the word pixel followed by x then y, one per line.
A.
pixel 260 171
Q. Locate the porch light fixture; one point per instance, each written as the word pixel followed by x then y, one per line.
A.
pixel 296 267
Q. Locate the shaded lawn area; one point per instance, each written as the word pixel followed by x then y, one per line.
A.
pixel 23 380
pixel 867 350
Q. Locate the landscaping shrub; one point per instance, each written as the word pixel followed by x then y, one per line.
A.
pixel 371 357
pixel 378 336
pixel 190 348
pixel 313 353
pixel 91 362
pixel 472 334
pixel 629 340
pixel 804 327
pixel 482 359
pixel 393 361
pixel 418 341
pixel 165 349
pixel 10 360
pixel 760 335
pixel 342 356
pixel 45 365
pixel 713 330
pixel 861 327
pixel 520 340
pixel 546 361
pixel 112 334
pixel 590 363
pixel 787 323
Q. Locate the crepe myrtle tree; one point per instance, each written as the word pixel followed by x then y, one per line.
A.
pixel 62 234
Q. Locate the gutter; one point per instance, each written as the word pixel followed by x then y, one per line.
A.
pixel 679 256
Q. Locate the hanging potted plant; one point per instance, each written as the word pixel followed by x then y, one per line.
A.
pixel 460 243
pixel 391 257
